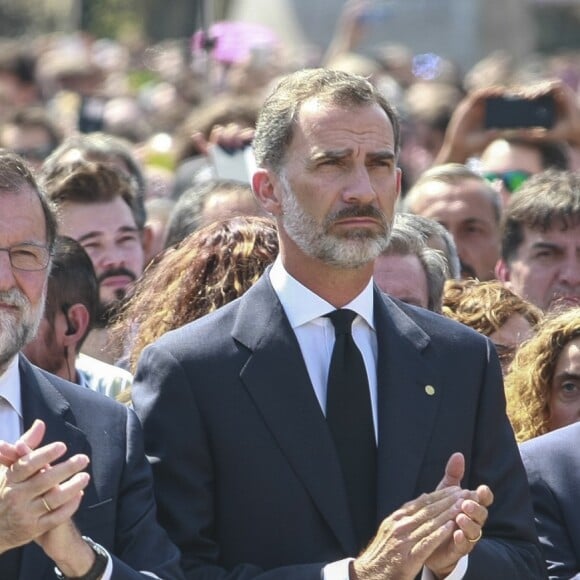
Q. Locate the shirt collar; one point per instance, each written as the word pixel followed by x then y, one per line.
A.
pixel 10 386
pixel 301 305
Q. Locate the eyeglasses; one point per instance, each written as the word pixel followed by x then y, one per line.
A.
pixel 28 257
pixel 512 180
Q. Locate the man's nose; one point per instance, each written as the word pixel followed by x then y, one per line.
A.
pixel 112 258
pixel 570 271
pixel 360 188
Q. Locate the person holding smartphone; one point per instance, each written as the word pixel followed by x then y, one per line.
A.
pixel 515 134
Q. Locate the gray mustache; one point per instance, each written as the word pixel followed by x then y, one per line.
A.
pixel 13 297
pixel 359 211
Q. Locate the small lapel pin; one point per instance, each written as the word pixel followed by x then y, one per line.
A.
pixel 430 390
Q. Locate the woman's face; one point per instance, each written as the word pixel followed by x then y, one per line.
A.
pixel 565 388
pixel 509 337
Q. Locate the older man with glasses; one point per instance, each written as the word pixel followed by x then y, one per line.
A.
pixel 76 496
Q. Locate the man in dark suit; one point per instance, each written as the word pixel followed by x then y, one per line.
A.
pixel 252 471
pixel 552 462
pixel 76 498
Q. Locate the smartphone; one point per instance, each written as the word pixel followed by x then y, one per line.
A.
pixel 91 114
pixel 513 112
pixel 238 164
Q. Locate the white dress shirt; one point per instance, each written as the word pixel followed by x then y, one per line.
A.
pixel 305 311
pixel 11 425
pixel 10 404
pixel 315 333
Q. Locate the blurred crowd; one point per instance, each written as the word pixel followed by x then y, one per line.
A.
pixel 160 112
pixel 157 230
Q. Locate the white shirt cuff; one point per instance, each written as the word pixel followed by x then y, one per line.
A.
pixel 456 574
pixel 339 570
pixel 109 569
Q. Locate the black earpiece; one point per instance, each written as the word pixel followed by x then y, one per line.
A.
pixel 70 327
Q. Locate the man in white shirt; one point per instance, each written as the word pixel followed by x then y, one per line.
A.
pixel 75 488
pixel 72 301
pixel 252 477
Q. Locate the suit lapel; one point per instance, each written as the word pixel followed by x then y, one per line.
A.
pixel 406 409
pixel 277 380
pixel 41 400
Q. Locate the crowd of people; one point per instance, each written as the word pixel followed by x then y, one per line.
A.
pixel 361 361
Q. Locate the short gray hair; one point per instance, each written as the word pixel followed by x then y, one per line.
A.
pixel 431 230
pixel 275 125
pixel 406 240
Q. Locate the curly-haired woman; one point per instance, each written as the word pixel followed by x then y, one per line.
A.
pixel 543 384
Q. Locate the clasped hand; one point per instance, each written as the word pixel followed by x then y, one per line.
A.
pixel 434 530
pixel 37 495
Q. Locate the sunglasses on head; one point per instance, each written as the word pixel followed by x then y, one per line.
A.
pixel 512 180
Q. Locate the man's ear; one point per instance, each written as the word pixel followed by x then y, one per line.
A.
pixel 265 191
pixel 147 239
pixel 78 320
pixel 502 272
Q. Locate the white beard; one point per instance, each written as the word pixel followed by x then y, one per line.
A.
pixel 19 328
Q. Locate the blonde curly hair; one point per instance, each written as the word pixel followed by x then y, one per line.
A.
pixel 529 381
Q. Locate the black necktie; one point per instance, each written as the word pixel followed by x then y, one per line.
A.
pixel 349 416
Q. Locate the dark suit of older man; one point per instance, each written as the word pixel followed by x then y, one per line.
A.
pixel 118 509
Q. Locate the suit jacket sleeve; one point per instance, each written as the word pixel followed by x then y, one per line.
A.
pixel 466 415
pixel 140 544
pixel 510 546
pixel 553 475
pixel 179 452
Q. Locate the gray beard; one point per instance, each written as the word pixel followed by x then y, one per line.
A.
pixel 14 333
pixel 351 251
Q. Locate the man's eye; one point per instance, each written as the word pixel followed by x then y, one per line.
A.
pixel 127 239
pixel 545 253
pixel 381 163
pixel 23 253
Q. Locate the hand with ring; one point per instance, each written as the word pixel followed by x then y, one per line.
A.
pixel 37 495
pixel 48 508
pixel 475 540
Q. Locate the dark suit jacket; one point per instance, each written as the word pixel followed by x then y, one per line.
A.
pixel 552 462
pixel 247 479
pixel 118 509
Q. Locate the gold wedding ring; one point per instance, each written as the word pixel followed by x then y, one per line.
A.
pixel 476 539
pixel 49 509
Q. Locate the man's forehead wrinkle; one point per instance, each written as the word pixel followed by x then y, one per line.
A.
pixel 329 127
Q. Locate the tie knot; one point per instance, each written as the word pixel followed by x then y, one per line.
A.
pixel 341 320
